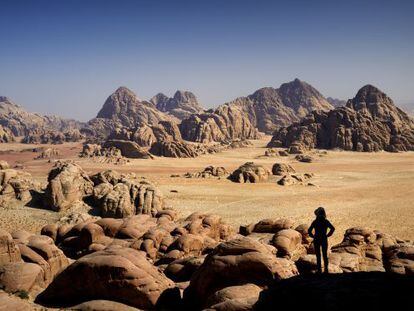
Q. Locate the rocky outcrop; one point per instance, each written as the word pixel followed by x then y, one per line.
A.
pixel 146 135
pixel 103 155
pixel 282 169
pixel 295 179
pixel 173 149
pixel 226 123
pixel 209 172
pixel 181 105
pixel 119 196
pixel 129 149
pixel 250 173
pixel 67 184
pixel 236 262
pixel 369 122
pixel 15 187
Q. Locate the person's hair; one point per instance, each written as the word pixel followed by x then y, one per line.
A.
pixel 320 212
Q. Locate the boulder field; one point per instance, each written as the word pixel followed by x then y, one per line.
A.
pixel 134 253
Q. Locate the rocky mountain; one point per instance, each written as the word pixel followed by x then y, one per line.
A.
pixel 269 108
pixel 369 122
pixel 181 106
pixel 19 122
pixel 336 102
pixel 265 110
pixel 124 108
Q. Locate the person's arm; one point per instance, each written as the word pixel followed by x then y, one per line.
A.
pixel 310 230
pixel 331 228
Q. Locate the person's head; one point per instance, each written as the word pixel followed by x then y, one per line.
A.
pixel 320 212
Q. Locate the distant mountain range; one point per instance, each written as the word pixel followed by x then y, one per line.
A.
pixel 182 118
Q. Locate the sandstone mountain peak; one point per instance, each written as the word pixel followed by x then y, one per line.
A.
pixel 369 95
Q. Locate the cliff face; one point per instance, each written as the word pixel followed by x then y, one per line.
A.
pixel 368 122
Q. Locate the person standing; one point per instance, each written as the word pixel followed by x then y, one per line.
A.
pixel 318 231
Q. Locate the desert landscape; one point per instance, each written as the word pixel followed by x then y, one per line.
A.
pixel 206 155
pixel 357 189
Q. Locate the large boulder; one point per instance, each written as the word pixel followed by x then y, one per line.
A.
pixel 237 262
pixel 250 173
pixel 282 169
pixel 67 183
pixel 116 273
pixel 15 187
pixel 29 263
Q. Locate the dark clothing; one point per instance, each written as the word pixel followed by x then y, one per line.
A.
pixel 320 240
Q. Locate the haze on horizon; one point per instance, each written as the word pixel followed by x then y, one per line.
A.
pixel 67 57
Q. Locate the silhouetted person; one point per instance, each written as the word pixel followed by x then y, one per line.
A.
pixel 320 237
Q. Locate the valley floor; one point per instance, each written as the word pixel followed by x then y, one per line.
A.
pixel 374 190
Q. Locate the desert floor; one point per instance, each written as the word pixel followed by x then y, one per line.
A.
pixel 375 190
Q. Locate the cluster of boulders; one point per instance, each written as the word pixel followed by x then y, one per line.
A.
pixel 368 122
pixel 209 172
pixel 255 173
pixel 112 194
pixel 159 261
pixel 99 154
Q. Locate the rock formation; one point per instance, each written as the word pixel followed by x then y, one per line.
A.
pixel 250 173
pixel 282 169
pixel 209 172
pixel 129 149
pixel 369 122
pixel 181 106
pixel 67 184
pixel 145 260
pixel 15 187
pixel 225 124
pixel 103 155
pixel 28 262
pixel 119 196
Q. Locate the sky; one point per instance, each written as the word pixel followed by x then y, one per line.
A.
pixel 67 57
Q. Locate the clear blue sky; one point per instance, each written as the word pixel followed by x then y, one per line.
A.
pixel 66 57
